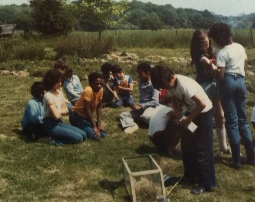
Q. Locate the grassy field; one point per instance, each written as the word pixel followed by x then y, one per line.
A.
pixel 92 171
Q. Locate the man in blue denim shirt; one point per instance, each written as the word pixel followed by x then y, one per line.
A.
pixel 149 97
pixel 32 122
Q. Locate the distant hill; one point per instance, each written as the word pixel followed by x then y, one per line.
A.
pixel 141 16
pixel 167 16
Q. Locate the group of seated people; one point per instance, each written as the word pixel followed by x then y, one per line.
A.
pixel 163 96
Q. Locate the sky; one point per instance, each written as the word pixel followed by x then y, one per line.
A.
pixel 223 7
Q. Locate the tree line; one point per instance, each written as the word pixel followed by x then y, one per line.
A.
pixel 53 17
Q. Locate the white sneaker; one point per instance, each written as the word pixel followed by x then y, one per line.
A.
pixel 130 130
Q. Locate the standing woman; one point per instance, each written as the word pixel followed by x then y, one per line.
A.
pixel 231 61
pixel 202 57
pixel 55 107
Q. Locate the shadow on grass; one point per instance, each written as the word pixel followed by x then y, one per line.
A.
pixel 20 134
pixel 18 131
pixel 112 185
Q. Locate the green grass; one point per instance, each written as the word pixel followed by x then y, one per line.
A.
pixel 92 171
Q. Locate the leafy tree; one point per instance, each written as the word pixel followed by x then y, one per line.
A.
pixel 7 13
pixel 51 17
pixel 101 14
pixel 136 15
pixel 152 22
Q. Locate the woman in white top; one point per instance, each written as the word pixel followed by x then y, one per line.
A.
pixel 230 61
pixel 55 107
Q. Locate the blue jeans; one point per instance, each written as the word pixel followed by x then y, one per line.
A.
pixel 233 98
pixel 198 153
pixel 85 125
pixel 126 100
pixel 63 132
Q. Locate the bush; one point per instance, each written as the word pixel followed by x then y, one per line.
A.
pixel 84 47
pixel 29 51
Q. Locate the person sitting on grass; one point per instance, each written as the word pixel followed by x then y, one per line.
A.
pixel 149 97
pixel 32 122
pixel 197 148
pixel 108 79
pixel 89 102
pixel 55 108
pixel 72 86
pixel 61 65
pixel 123 87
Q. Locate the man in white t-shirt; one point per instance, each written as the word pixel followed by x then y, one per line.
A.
pixel 197 148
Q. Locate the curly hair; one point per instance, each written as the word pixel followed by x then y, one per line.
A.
pixel 37 89
pixel 106 67
pixel 196 43
pixel 52 77
pixel 144 67
pixel 220 33
pixel 161 76
pixel 94 76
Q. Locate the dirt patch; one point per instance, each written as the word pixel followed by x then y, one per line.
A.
pixel 127 58
pixel 14 73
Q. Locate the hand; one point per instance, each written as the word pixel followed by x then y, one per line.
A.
pixel 185 122
pixel 137 107
pixel 116 95
pixel 205 60
pixel 97 132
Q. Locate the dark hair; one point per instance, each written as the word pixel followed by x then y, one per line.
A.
pixel 52 77
pixel 61 64
pixel 144 67
pixel 37 89
pixel 94 76
pixel 106 67
pixel 116 69
pixel 68 72
pixel 161 76
pixel 196 43
pixel 220 33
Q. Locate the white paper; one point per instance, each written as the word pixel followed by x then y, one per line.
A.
pixel 192 127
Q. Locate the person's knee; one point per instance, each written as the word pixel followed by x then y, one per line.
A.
pixel 78 138
pixel 117 105
pixel 89 131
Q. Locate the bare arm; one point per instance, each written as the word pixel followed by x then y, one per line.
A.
pixel 112 91
pixel 200 105
pixel 88 113
pixel 99 115
pixel 221 73
pixel 128 89
pixel 55 112
pixel 64 109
